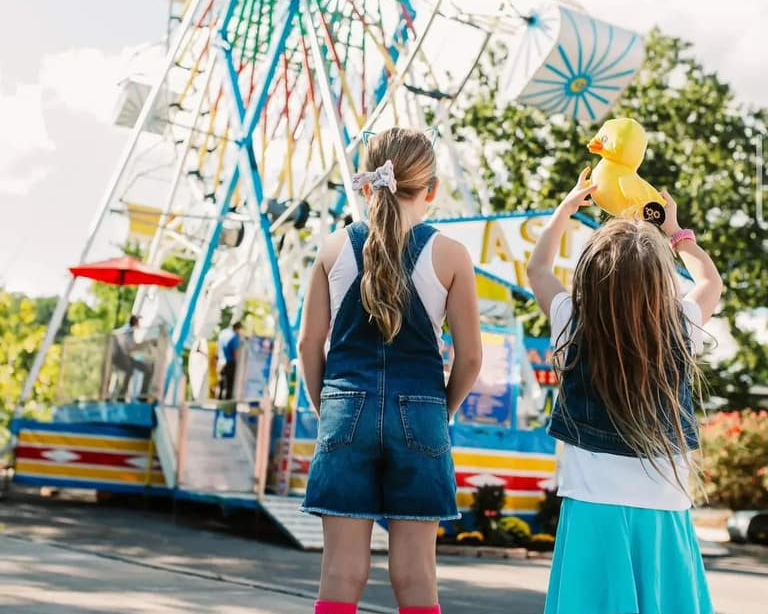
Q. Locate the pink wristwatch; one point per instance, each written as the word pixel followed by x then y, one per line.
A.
pixel 684 234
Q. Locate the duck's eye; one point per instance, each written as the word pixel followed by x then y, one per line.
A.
pixel 604 140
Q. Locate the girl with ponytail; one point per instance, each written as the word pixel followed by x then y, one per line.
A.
pixel 380 292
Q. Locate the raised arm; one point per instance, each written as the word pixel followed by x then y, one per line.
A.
pixel 708 284
pixel 544 283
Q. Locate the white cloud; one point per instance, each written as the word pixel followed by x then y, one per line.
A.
pixel 21 183
pixel 88 80
pixel 23 135
pixel 84 80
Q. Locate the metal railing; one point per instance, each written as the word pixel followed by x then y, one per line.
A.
pixel 139 372
pixel 221 447
pixel 98 368
pixel 82 368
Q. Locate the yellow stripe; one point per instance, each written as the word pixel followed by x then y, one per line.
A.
pixel 298 482
pixel 87 473
pixel 520 504
pixel 509 463
pixel 80 441
pixel 306 449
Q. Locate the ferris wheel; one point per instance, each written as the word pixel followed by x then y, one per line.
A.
pixel 244 144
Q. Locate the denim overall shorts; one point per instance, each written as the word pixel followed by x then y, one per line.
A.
pixel 383 446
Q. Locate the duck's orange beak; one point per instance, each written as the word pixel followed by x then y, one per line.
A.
pixel 595 146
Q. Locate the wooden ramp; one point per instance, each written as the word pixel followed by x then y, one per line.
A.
pixel 306 530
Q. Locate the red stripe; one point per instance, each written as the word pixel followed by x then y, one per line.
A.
pixel 85 457
pixel 512 482
pixel 300 466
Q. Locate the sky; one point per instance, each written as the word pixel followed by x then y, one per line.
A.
pixel 61 63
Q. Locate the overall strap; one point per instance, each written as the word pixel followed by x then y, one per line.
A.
pixel 358 233
pixel 420 236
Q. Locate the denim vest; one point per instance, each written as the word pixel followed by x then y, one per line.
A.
pixel 358 358
pixel 579 416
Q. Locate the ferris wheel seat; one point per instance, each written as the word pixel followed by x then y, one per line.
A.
pixel 298 217
pixel 133 95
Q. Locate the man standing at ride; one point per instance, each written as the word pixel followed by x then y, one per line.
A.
pixel 124 360
pixel 231 354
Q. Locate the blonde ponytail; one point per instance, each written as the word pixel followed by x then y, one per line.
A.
pixel 385 287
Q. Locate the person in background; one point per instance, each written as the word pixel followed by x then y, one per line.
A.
pixel 124 359
pixel 221 342
pixel 231 354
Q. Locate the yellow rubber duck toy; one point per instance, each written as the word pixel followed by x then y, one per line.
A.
pixel 620 190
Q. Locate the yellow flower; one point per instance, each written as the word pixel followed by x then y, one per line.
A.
pixel 470 535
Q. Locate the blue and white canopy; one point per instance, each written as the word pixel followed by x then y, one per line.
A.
pixel 566 62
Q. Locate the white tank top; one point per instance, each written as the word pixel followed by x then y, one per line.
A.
pixel 431 291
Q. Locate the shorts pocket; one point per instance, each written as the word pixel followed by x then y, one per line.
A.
pixel 339 414
pixel 425 424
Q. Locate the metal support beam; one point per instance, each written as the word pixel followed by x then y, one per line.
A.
pixel 332 115
pixel 396 82
pixel 154 246
pixel 245 170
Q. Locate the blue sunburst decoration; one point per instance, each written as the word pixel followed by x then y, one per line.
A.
pixel 566 62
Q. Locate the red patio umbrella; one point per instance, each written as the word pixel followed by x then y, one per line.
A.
pixel 126 271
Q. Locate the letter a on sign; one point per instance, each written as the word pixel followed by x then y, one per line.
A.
pixel 495 244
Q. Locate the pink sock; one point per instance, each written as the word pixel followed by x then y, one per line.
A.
pixel 334 607
pixel 433 609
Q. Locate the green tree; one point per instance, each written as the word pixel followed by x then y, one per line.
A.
pixel 702 149
pixel 22 328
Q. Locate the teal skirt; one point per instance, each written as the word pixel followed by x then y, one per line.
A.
pixel 613 559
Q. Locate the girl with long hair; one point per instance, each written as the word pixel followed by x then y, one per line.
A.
pixel 382 289
pixel 625 343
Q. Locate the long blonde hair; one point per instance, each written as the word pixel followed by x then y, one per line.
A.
pixel 385 286
pixel 628 318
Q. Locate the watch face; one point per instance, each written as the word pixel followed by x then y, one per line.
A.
pixel 654 213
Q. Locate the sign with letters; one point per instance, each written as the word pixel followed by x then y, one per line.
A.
pixel 501 245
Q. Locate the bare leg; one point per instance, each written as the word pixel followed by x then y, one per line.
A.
pixel 346 559
pixel 413 562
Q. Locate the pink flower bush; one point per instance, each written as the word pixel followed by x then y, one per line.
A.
pixel 735 459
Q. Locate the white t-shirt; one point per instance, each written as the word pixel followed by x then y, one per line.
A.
pixel 126 339
pixel 431 291
pixel 622 480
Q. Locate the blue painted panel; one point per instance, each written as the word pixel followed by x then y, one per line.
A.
pixel 538 348
pixel 306 424
pixel 128 414
pixel 495 438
